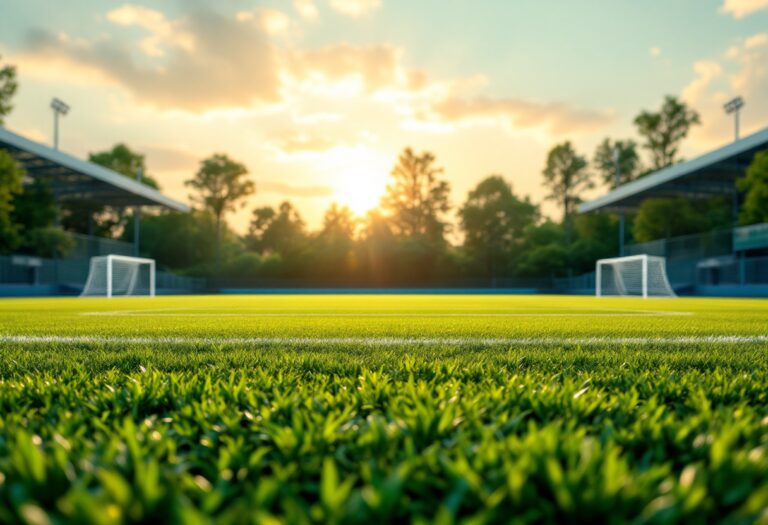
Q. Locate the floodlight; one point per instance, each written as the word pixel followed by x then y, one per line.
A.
pixel 59 107
pixel 732 107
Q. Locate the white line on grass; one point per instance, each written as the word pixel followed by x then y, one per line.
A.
pixel 387 341
pixel 618 313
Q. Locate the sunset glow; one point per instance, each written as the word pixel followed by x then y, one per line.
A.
pixel 318 97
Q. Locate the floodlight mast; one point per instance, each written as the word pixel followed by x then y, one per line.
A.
pixel 59 107
pixel 732 107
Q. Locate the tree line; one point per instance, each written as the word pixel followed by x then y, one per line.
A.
pixel 405 241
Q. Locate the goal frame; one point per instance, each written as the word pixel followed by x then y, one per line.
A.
pixel 126 258
pixel 644 258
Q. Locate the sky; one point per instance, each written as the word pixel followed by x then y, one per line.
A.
pixel 318 97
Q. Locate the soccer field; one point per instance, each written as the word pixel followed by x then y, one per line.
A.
pixel 352 408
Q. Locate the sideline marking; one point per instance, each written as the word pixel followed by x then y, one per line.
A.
pixel 514 312
pixel 387 341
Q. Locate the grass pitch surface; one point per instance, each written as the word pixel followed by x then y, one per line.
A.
pixel 318 408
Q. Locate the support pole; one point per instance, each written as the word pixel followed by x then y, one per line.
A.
pixel 109 276
pixel 137 221
pixel 617 183
pixel 56 130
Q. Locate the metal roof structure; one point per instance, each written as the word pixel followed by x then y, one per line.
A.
pixel 70 177
pixel 711 174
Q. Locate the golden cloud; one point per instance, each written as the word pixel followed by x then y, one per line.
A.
pixel 741 70
pixel 556 117
pixel 742 8
pixel 243 59
pixel 355 8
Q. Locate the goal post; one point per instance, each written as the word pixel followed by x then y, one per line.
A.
pixel 635 275
pixel 120 276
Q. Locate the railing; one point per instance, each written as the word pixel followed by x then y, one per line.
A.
pixel 710 244
pixel 87 246
pixel 737 271
pixel 72 273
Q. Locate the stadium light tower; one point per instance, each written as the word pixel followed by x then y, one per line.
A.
pixel 59 107
pixel 733 106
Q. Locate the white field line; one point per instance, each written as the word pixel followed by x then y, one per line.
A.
pixel 387 341
pixel 331 313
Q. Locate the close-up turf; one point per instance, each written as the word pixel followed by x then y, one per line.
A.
pixel 383 408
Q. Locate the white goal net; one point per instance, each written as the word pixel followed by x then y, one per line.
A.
pixel 120 275
pixel 636 275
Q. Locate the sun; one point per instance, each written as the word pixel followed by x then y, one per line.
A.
pixel 362 181
pixel 361 192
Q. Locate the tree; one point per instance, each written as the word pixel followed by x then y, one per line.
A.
pixel 664 130
pixel 36 212
pixel 91 216
pixel 221 184
pixel 665 217
pixel 11 177
pixel 180 241
pixel 604 161
pixel 125 161
pixel 8 87
pixel 416 200
pixel 333 246
pixel 544 253
pixel 566 177
pixel 276 231
pixel 755 185
pixel 493 220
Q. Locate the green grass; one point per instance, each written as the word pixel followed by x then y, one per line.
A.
pixel 433 409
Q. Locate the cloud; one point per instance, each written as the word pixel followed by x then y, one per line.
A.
pixel 306 8
pixel 293 191
pixel 205 61
pixel 741 70
pixel 518 113
pixel 244 61
pixel 742 8
pixel 374 67
pixel 169 159
pixel 355 8
pixel 161 30
pixel 304 143
pixel 271 21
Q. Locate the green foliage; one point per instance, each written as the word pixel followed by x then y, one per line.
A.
pixel 661 218
pixel 11 177
pixel 8 87
pixel 48 241
pixel 91 217
pixel 123 160
pixel 494 221
pixel 604 161
pixel 179 240
pixel 227 432
pixel 220 185
pixel 416 200
pixel 277 231
pixel 566 176
pixel 664 130
pixel 35 206
pixel 754 210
